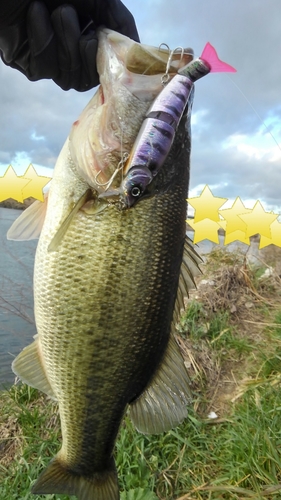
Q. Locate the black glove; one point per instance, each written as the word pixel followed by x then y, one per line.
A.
pixel 50 40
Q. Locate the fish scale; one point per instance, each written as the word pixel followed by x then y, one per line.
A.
pixel 103 314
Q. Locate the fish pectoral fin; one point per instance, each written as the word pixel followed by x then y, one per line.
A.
pixel 55 242
pixel 58 478
pixel 163 404
pixel 29 224
pixel 28 367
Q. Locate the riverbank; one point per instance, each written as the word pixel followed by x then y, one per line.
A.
pixel 229 446
pixel 11 203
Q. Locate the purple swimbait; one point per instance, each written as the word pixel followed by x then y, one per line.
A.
pixel 158 130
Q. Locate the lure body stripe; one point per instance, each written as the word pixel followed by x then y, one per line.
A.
pixel 158 130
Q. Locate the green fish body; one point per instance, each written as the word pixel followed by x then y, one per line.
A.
pixel 108 289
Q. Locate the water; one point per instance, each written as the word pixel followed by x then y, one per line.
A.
pixel 17 326
pixel 16 295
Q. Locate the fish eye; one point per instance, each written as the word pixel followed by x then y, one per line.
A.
pixel 135 191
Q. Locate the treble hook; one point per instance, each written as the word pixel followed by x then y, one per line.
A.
pixel 165 78
pixel 164 45
pixel 119 167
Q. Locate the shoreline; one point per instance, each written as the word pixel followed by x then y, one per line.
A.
pixel 11 203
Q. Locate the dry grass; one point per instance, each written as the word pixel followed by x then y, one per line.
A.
pixel 242 299
pixel 16 406
pixel 10 440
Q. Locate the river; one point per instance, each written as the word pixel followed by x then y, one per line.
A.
pixel 16 296
pixel 17 326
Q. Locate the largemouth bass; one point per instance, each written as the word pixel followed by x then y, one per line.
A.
pixel 109 283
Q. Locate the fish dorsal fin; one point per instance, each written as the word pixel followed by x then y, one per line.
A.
pixel 29 368
pixel 29 224
pixel 163 404
pixel 189 270
pixel 56 240
pixel 146 60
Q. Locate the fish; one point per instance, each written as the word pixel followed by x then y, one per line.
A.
pixel 109 283
pixel 158 130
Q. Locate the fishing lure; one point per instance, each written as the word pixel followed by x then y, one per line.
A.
pixel 158 130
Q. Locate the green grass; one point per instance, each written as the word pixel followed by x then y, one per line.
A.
pixel 215 328
pixel 241 452
pixel 235 457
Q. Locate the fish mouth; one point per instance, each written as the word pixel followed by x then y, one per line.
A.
pixel 130 77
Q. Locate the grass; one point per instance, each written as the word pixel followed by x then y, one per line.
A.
pixel 240 454
pixel 233 355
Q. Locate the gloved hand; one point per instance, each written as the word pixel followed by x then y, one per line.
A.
pixel 57 40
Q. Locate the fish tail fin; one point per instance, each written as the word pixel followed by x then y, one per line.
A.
pixel 58 478
pixel 210 55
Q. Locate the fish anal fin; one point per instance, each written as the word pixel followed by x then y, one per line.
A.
pixel 29 224
pixel 163 404
pixel 29 368
pixel 58 478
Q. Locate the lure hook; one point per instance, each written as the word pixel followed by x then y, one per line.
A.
pixel 165 78
pixel 119 167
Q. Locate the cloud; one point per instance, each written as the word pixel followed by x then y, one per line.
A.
pixel 231 149
pixel 35 117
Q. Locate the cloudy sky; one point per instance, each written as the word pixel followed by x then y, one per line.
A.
pixel 236 118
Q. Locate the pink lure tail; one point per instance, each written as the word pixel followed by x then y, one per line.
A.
pixel 210 55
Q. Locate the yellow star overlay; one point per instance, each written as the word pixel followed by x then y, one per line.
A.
pixel 21 187
pixel 258 221
pixel 237 235
pixel 11 185
pixel 206 205
pixel 35 187
pixel 205 230
pixel 275 236
pixel 234 223
pixel 238 222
